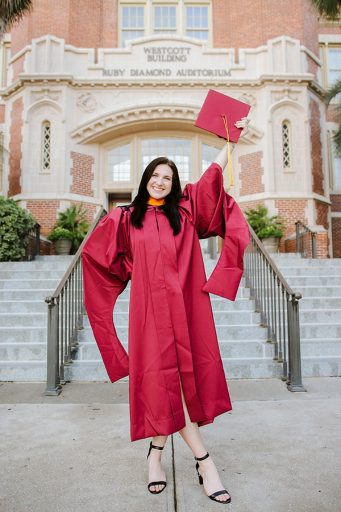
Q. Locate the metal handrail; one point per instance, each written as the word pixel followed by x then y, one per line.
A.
pixel 278 305
pixel 301 231
pixel 65 318
pixel 33 242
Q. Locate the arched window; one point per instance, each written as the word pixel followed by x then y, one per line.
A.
pixel 46 147
pixel 286 145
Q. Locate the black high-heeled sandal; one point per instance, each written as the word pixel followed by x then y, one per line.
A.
pixel 160 482
pixel 201 481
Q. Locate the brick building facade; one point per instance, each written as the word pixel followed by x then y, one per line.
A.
pixel 93 90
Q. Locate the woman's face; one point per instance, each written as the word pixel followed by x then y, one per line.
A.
pixel 160 182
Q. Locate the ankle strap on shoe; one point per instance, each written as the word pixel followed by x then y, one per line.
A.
pixel 202 458
pixel 157 447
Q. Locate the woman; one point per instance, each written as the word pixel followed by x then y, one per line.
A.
pixel 176 377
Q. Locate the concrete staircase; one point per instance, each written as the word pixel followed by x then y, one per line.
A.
pixel 243 342
pixel 23 315
pixel 319 281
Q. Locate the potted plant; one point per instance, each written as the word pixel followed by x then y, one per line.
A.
pixel 74 220
pixel 268 229
pixel 62 239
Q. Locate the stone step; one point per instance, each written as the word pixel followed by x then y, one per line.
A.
pixel 321 366
pixel 221 317
pixel 25 294
pixel 325 316
pixel 23 320
pixel 292 271
pixel 33 334
pixel 23 351
pixel 242 348
pixel 320 291
pixel 59 263
pixel 30 274
pixel 325 280
pixel 317 346
pixel 320 330
pixel 23 371
pixel 14 284
pixel 224 332
pixel 255 368
pixel 320 303
pixel 23 306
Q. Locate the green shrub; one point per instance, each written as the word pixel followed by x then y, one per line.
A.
pixel 264 225
pixel 74 220
pixel 59 233
pixel 15 224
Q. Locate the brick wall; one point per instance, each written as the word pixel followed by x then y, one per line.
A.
pixel 290 210
pixel 45 213
pixel 322 210
pixel 85 23
pixel 15 147
pixel 251 172
pixel 336 235
pixel 315 138
pixel 336 202
pixel 82 174
pixel 270 18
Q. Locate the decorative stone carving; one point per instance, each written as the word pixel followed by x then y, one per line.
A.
pixel 285 94
pixel 86 102
pixel 248 98
pixel 45 94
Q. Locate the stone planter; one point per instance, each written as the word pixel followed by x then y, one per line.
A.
pixel 62 246
pixel 271 244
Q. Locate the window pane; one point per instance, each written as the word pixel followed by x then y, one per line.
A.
pixel 208 154
pixel 336 170
pixel 164 17
pixel 119 163
pixel 197 34
pixel 197 17
pixel 334 60
pixel 132 17
pixel 178 150
pixel 128 35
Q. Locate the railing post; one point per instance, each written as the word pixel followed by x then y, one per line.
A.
pixel 294 382
pixel 37 249
pixel 313 245
pixel 53 386
pixel 298 240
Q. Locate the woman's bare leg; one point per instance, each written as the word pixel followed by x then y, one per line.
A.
pixel 156 473
pixel 191 435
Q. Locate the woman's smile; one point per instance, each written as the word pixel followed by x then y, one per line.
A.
pixel 160 182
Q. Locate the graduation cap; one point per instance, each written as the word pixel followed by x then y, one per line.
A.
pixel 218 115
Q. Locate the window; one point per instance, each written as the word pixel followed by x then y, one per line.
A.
pixel 178 17
pixel 178 150
pixel 119 163
pixel 286 145
pixel 132 23
pixel 164 19
pixel 336 166
pixel 208 154
pixel 334 65
pixel 197 22
pixel 46 147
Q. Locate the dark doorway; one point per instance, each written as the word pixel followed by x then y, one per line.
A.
pixel 118 198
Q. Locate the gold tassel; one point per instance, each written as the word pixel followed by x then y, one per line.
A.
pixel 229 161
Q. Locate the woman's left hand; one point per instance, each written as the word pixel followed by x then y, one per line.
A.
pixel 243 123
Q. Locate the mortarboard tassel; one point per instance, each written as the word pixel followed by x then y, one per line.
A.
pixel 229 161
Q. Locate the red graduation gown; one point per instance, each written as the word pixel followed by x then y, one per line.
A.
pixel 172 334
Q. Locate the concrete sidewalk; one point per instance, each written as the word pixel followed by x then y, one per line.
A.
pixel 276 451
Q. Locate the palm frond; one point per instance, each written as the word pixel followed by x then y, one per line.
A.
pixel 333 91
pixel 328 8
pixel 13 10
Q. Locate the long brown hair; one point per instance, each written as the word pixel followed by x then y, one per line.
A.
pixel 170 207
